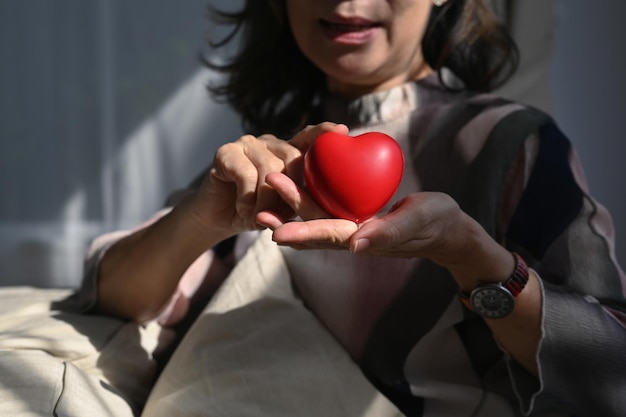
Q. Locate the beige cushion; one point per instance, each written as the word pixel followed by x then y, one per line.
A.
pixel 257 351
pixel 56 361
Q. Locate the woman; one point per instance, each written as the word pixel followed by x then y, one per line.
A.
pixel 492 197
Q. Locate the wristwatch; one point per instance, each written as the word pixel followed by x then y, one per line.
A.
pixel 497 300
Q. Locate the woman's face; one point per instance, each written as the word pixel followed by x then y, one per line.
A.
pixel 362 45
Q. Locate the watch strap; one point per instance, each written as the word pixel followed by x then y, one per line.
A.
pixel 519 278
pixel 515 283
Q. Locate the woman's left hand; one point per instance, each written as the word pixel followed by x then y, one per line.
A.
pixel 420 225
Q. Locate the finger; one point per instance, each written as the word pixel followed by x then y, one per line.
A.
pixel 392 232
pixel 289 154
pixel 303 139
pixel 270 219
pixel 299 201
pixel 231 165
pixel 380 233
pixel 262 153
pixel 273 221
pixel 320 233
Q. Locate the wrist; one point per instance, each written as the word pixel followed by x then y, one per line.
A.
pixel 492 269
pixel 192 231
pixel 481 260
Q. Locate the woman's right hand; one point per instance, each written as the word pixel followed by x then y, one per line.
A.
pixel 234 190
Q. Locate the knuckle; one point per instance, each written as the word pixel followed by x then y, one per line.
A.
pixel 292 153
pixel 247 140
pixel 267 138
pixel 247 137
pixel 225 150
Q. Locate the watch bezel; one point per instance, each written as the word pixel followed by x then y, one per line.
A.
pixel 506 300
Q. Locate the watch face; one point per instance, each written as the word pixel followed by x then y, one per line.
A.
pixel 492 301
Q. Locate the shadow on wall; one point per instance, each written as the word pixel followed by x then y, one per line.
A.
pixel 101 116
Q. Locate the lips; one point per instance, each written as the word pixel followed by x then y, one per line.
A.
pixel 348 27
pixel 349 30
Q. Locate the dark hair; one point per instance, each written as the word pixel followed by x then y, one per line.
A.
pixel 273 86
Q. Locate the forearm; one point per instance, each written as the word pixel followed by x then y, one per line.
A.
pixel 519 333
pixel 139 273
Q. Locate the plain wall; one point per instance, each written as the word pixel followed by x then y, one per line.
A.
pixel 589 97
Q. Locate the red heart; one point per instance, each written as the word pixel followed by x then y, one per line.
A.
pixel 353 177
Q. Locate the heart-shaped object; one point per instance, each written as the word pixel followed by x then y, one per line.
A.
pixel 353 177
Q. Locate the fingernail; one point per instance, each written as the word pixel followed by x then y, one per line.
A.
pixel 361 245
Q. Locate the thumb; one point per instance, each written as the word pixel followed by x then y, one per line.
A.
pixel 305 138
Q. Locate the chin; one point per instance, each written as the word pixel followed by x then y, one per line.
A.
pixel 354 84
